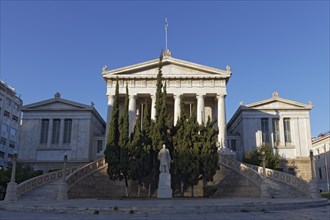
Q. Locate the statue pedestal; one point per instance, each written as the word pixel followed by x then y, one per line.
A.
pixel 164 186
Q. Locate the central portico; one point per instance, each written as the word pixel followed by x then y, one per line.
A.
pixel 201 86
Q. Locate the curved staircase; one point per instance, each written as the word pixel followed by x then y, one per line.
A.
pixel 276 184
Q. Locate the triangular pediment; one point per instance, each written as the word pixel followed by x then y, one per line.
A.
pixel 171 68
pixel 279 103
pixel 56 104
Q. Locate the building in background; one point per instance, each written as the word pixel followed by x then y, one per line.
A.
pixel 57 127
pixel 10 117
pixel 282 124
pixel 321 151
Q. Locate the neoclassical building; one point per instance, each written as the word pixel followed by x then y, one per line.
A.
pixel 202 87
pixel 321 150
pixel 282 124
pixel 56 127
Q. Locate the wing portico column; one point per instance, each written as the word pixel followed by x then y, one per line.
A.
pixel 200 108
pixel 153 110
pixel 132 112
pixel 109 114
pixel 176 107
pixel 222 120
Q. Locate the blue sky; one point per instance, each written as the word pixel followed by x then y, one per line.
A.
pixel 50 46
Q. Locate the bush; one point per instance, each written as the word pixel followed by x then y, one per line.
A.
pixel 325 195
pixel 254 157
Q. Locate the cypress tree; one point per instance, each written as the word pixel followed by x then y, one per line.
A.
pixel 124 144
pixel 138 164
pixel 112 151
pixel 209 157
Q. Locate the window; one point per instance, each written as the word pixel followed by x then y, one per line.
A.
pixel 265 130
pixel 276 131
pixel 8 102
pixel 3 141
pixel 99 146
pixel 189 109
pixel 12 144
pixel 6 114
pixel 292 171
pixel 4 129
pixel 320 173
pixel 13 132
pixel 56 131
pixel 10 157
pixel 233 145
pixel 67 131
pixel 44 131
pixel 2 154
pixel 15 118
pixel 15 107
pixel 287 130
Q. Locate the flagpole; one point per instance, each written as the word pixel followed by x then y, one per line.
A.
pixel 166 28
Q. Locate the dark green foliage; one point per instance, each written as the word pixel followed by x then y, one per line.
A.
pixel 254 157
pixel 23 172
pixel 139 150
pixel 195 151
pixel 209 158
pixel 124 143
pixel 186 151
pixel 112 150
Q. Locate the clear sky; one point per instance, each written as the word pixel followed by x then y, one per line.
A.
pixel 61 46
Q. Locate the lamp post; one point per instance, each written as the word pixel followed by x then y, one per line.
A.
pixel 63 186
pixel 313 185
pixel 326 167
pixel 263 158
pixel 264 193
pixel 11 191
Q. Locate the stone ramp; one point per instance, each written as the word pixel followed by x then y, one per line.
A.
pixel 157 206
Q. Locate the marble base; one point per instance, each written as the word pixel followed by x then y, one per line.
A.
pixel 164 186
pixel 11 194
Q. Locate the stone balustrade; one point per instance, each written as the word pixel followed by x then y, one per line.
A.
pixel 296 182
pixel 85 171
pixel 41 180
pixel 242 169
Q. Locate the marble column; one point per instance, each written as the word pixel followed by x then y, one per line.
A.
pixel 109 115
pixel 200 109
pixel 132 112
pixel 177 109
pixel 222 120
pixel 153 105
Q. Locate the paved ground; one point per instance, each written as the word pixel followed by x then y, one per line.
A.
pixel 185 209
pixel 297 214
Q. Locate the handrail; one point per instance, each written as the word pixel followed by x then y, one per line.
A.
pixel 296 182
pixel 41 180
pixel 85 171
pixel 242 169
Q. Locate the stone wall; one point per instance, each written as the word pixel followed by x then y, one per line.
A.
pixel 301 166
pixel 232 184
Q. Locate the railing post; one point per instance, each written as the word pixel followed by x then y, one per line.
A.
pixel 11 191
pixel 313 185
pixel 63 186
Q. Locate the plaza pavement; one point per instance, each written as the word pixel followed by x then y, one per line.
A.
pixel 178 208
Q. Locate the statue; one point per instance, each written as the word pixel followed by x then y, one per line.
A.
pixel 228 68
pixel 165 160
pixel 104 68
